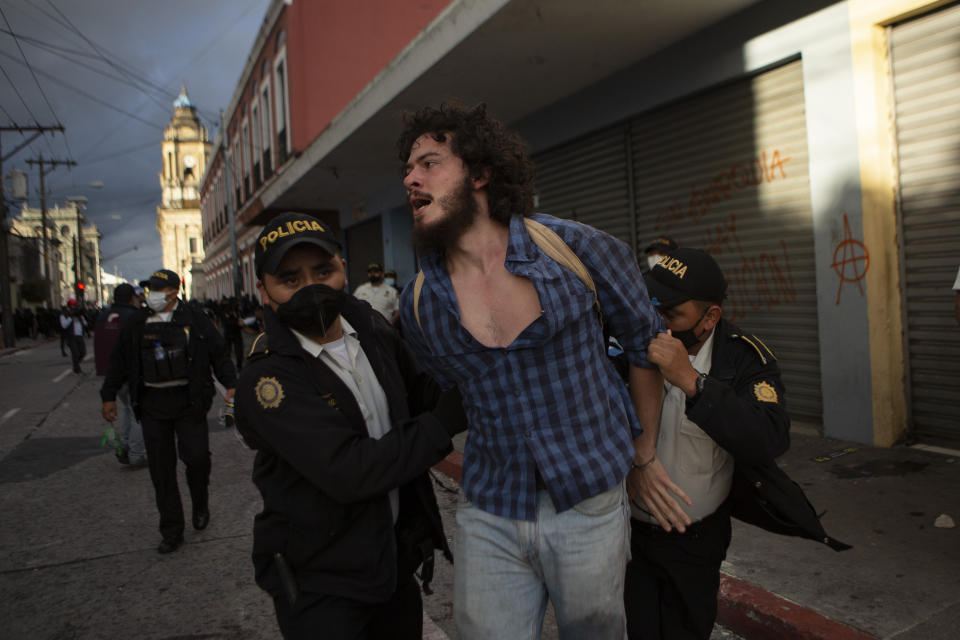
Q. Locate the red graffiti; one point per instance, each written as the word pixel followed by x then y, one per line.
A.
pixel 738 177
pixel 854 253
pixel 722 238
pixel 757 281
pixel 760 282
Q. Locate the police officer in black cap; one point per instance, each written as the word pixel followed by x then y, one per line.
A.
pixel 659 248
pixel 722 423
pixel 345 428
pixel 166 355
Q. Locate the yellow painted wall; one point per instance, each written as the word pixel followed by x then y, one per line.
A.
pixel 873 100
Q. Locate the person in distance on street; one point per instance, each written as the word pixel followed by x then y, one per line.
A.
pixel 656 250
pixel 345 428
pixel 106 333
pixel 73 323
pixel 166 355
pixel 382 296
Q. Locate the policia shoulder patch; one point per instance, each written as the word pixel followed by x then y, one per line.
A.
pixel 269 392
pixel 765 392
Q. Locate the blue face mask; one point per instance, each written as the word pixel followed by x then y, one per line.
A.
pixel 391 282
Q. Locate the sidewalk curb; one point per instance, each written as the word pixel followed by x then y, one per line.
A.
pixel 6 351
pixel 744 608
pixel 752 612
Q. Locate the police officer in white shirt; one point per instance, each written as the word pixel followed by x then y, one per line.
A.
pixel 381 296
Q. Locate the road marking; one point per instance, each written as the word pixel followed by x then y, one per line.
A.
pixel 62 375
pixel 9 414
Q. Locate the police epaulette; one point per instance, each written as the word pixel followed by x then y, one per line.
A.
pixel 750 341
pixel 259 346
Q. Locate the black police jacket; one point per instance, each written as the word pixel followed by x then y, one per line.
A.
pixel 324 480
pixel 742 408
pixel 206 349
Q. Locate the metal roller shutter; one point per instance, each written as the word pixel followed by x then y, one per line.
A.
pixel 925 58
pixel 587 181
pixel 726 171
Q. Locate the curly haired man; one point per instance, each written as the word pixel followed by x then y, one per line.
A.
pixel 553 431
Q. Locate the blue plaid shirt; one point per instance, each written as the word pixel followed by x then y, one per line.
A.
pixel 551 401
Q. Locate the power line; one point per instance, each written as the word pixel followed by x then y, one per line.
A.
pixel 128 70
pixel 87 95
pixel 17 91
pixel 6 113
pixel 27 62
pixel 25 105
pixel 117 154
pixel 63 53
pixel 51 47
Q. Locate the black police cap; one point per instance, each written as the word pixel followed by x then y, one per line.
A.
pixel 686 274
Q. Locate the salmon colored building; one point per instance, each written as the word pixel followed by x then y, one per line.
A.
pixel 811 147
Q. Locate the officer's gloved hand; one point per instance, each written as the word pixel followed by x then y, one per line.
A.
pixel 449 411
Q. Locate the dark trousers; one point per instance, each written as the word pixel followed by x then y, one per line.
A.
pixel 333 618
pixel 171 424
pixel 78 350
pixel 236 343
pixel 671 585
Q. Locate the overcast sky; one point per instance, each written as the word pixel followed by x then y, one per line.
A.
pixel 109 71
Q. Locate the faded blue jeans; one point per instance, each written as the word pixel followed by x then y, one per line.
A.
pixel 505 570
pixel 128 429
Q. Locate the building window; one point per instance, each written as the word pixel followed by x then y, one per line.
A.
pixel 237 171
pixel 265 109
pixel 281 105
pixel 245 139
pixel 255 118
pixel 193 245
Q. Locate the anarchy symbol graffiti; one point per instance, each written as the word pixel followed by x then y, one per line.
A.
pixel 850 259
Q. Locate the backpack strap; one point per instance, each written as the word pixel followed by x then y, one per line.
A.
pixel 558 250
pixel 552 245
pixel 417 288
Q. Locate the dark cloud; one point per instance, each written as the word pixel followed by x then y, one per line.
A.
pixel 113 129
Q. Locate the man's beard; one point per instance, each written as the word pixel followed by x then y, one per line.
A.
pixel 459 210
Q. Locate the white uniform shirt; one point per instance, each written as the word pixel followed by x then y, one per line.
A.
pixel 346 358
pixel 383 298
pixel 694 461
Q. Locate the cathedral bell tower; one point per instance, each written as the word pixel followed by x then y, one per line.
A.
pixel 185 149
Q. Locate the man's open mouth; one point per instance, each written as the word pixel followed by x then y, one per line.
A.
pixel 418 202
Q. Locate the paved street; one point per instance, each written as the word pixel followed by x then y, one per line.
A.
pixel 78 541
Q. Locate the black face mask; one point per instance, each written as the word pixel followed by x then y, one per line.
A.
pixel 375 279
pixel 312 309
pixel 689 336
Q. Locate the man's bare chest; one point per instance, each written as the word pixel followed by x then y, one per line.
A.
pixel 496 308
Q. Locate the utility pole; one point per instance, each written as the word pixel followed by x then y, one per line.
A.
pixel 9 334
pixel 53 164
